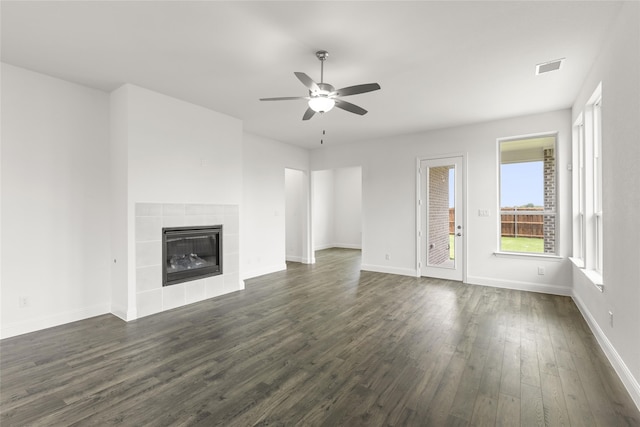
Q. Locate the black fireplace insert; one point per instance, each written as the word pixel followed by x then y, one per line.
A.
pixel 191 253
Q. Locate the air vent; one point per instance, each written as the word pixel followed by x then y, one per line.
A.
pixel 547 67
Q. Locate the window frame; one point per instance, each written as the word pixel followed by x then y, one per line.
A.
pixel 554 213
pixel 597 185
pixel 579 180
pixel 588 236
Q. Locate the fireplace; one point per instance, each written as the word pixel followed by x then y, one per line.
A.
pixel 190 253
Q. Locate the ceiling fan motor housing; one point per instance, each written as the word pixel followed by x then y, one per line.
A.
pixel 325 89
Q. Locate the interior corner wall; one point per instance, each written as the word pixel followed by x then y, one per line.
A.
pixel 618 68
pixel 264 197
pixel 55 201
pixel 389 199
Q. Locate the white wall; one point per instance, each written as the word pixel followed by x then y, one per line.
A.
pixel 389 199
pixel 182 156
pixel 296 188
pixel 182 152
pixel 618 68
pixel 264 197
pixel 347 207
pixel 122 304
pixel 55 201
pixel 323 209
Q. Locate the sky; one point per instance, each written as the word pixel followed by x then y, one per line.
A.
pixel 521 183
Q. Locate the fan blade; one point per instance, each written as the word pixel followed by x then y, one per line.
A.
pixel 308 114
pixel 352 108
pixel 284 98
pixel 354 90
pixel 307 81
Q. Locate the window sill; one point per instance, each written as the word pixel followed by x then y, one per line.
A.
pixel 592 276
pixel 578 262
pixel 529 255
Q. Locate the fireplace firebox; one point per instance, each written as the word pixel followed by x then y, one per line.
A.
pixel 191 253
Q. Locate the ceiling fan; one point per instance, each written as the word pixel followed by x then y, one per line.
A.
pixel 323 96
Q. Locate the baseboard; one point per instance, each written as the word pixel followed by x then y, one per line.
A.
pixel 302 260
pixel 322 247
pixel 338 245
pixel 347 246
pixel 520 285
pixel 262 271
pixel 389 270
pixel 32 325
pixel 627 378
pixel 294 258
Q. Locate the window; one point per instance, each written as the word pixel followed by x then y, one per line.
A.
pixel 579 222
pixel 528 195
pixel 587 209
pixel 597 186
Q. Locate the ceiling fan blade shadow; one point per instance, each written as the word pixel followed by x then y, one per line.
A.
pixel 308 114
pixel 307 81
pixel 352 108
pixel 284 98
pixel 354 90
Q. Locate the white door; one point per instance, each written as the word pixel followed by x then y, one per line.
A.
pixel 441 228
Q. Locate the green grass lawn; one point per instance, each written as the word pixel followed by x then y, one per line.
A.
pixel 451 247
pixel 522 244
pixel 512 244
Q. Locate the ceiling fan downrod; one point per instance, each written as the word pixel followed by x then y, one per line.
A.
pixel 322 55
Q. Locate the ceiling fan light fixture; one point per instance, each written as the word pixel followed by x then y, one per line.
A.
pixel 321 104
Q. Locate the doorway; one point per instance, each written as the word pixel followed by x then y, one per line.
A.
pixel 337 208
pixel 441 218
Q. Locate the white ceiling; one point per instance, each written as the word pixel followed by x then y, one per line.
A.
pixel 440 64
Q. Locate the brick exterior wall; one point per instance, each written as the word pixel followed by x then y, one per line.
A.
pixel 438 215
pixel 549 226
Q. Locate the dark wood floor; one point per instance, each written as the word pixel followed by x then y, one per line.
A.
pixel 322 345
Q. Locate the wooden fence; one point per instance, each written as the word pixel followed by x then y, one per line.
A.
pixel 516 222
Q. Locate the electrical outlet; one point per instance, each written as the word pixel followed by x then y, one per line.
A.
pixel 611 318
pixel 541 271
pixel 23 302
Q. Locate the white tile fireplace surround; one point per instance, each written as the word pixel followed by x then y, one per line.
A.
pixel 151 296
